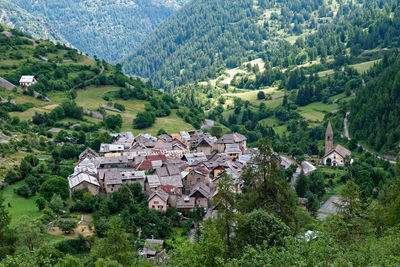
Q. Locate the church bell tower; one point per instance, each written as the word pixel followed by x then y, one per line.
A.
pixel 328 138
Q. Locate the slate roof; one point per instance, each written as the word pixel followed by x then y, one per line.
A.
pixel 174 169
pixel 232 148
pixel 163 146
pixel 153 180
pixel 111 176
pixel 193 158
pixel 165 138
pixel 80 177
pixel 113 160
pixel 185 202
pixel 231 138
pixel 202 189
pixel 342 151
pixel 174 180
pixel 162 172
pixel 161 193
pixel 88 151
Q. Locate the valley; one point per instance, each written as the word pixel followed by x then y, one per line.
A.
pixel 219 134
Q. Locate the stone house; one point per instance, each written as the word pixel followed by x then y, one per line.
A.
pixel 234 138
pixel 158 200
pixel 81 180
pixel 196 175
pixel 186 203
pixel 201 193
pixel 205 146
pixel 151 183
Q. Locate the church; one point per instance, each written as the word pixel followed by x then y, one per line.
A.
pixel 334 156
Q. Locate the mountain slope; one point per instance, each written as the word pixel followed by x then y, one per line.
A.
pixel 374 117
pixel 105 28
pixel 204 35
pixel 13 16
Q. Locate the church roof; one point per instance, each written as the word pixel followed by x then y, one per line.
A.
pixel 342 151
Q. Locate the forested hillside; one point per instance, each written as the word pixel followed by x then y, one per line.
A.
pixel 204 37
pixel 15 17
pixel 375 111
pixel 108 29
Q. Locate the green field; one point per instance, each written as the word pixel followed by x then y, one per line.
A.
pixel 19 205
pixel 365 66
pixel 274 123
pixel 315 112
pixel 360 67
pixel 171 124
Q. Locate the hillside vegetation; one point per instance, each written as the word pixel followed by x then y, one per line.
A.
pixel 108 29
pixel 73 88
pixel 375 111
pixel 203 38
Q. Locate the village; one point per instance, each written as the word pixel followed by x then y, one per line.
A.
pixel 178 170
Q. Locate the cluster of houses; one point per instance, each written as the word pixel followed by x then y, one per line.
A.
pixel 177 170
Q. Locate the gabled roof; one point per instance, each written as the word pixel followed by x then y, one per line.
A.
pixel 161 193
pixel 202 189
pixel 174 180
pixel 153 180
pixel 80 177
pixel 111 176
pixel 27 79
pixel 232 148
pixel 165 138
pixel 162 172
pixel 204 142
pixel 342 151
pixel 163 158
pixel 88 151
pixel 163 146
pixel 185 202
pixel 113 160
pixel 193 158
pixel 173 170
pixel 201 170
pixel 231 138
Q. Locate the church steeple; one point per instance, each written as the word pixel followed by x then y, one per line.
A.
pixel 328 138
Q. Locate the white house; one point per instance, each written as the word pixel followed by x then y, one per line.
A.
pixel 27 81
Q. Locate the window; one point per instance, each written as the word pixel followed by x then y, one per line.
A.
pixel 153 206
pixel 161 207
pixel 155 202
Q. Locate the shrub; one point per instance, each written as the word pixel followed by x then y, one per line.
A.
pixel 73 246
pixel 56 203
pixel 119 106
pixel 23 191
pixel 67 226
